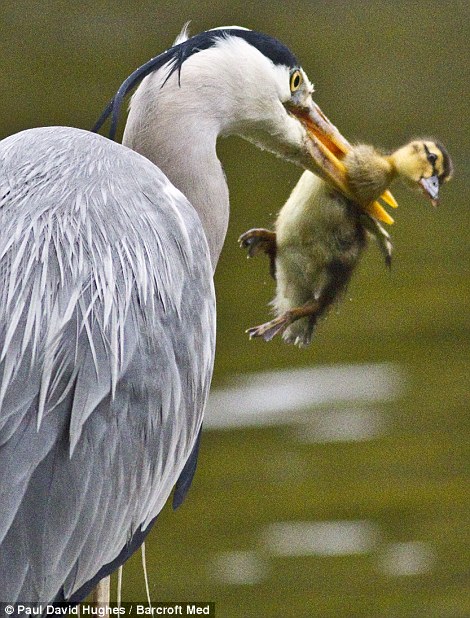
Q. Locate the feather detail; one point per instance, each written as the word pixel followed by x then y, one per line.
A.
pixel 106 312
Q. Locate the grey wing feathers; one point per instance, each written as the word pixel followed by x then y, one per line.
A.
pixel 106 351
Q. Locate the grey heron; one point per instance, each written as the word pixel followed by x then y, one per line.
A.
pixel 107 307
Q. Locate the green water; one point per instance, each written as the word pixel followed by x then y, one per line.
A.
pixel 384 72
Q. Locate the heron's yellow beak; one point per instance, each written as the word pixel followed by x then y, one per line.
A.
pixel 327 148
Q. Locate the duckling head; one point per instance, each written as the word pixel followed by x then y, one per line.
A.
pixel 425 162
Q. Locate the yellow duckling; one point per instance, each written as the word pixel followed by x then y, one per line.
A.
pixel 369 172
pixel 320 234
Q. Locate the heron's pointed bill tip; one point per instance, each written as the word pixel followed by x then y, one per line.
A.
pixel 327 147
pixel 378 212
pixel 388 198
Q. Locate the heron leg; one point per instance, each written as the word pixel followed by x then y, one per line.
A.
pixel 279 324
pixel 259 240
pixel 102 593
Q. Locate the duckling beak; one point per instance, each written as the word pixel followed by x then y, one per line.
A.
pixel 327 147
pixel 430 188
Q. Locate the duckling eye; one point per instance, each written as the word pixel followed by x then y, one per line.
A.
pixel 430 156
pixel 295 81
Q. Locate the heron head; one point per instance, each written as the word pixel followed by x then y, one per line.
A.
pixel 245 83
pixel 258 90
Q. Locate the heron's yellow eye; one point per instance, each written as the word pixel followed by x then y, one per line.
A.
pixel 295 81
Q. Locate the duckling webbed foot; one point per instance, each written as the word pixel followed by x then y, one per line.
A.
pixel 259 240
pixel 270 329
pixel 279 324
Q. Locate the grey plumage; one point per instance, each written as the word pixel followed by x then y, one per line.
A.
pixel 107 295
pixel 107 303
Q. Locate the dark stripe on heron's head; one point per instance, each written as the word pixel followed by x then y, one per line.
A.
pixel 273 49
pixel 174 57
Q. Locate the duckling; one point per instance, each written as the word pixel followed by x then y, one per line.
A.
pixel 320 234
pixel 369 172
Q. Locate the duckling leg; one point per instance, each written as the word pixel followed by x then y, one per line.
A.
pixel 270 329
pixel 257 240
pixel 382 237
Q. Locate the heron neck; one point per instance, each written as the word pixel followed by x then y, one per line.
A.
pixel 183 146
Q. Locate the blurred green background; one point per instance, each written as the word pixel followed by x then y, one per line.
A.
pixel 384 72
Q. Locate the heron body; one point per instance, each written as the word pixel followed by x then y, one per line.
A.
pixel 107 296
pixel 107 311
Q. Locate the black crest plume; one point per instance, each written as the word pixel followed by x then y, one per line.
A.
pixel 175 56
